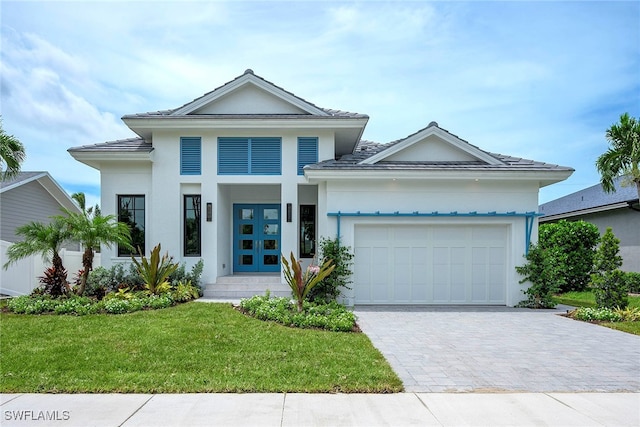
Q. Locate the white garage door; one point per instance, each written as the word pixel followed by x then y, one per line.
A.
pixel 411 264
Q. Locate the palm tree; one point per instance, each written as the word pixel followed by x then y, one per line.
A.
pixel 11 155
pixel 623 155
pixel 92 230
pixel 46 240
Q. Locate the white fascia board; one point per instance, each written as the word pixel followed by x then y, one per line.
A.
pixel 433 130
pixel 194 122
pixel 507 175
pixel 94 159
pixel 248 79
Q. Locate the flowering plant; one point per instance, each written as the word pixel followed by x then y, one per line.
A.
pixel 301 283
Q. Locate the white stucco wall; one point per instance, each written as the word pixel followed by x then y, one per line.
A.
pixel 164 187
pixel 462 196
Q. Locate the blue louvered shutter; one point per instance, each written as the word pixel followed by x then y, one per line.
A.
pixel 266 156
pixel 190 156
pixel 307 153
pixel 233 156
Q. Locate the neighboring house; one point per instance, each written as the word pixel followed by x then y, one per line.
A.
pixel 619 210
pixel 250 171
pixel 31 197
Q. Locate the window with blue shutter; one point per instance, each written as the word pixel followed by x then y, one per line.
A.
pixel 307 153
pixel 190 156
pixel 249 156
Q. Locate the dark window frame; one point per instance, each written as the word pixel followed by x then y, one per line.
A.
pixel 307 231
pixel 138 233
pixel 196 207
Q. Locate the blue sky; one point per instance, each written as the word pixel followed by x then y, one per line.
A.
pixel 540 80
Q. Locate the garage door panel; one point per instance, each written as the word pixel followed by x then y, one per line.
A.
pixel 432 264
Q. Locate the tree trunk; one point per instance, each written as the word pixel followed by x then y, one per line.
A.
pixel 61 286
pixel 87 264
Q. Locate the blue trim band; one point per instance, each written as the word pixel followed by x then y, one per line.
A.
pixel 528 216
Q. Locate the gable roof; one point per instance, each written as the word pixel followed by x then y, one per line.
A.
pixel 249 78
pixel 371 156
pixel 444 135
pixel 47 182
pixel 250 101
pixel 590 200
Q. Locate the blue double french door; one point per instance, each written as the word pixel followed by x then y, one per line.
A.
pixel 256 238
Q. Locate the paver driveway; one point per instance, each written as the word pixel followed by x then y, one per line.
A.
pixel 460 349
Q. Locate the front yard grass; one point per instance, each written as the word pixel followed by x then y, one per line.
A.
pixel 588 299
pixel 190 348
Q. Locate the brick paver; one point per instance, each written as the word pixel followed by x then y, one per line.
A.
pixel 462 349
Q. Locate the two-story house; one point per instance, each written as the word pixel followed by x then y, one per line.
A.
pixel 250 171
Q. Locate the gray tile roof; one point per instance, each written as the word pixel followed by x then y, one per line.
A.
pixel 589 198
pixel 129 145
pixel 366 149
pixel 22 176
pixel 332 114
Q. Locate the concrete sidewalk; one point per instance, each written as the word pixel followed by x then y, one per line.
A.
pixel 402 409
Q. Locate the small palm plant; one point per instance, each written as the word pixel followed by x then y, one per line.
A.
pixel 46 240
pixel 301 283
pixel 155 270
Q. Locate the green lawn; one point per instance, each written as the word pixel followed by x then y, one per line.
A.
pixel 193 347
pixel 587 299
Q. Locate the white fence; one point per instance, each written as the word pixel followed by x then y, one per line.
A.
pixel 22 277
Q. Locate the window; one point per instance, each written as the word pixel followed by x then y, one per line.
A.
pixel 249 156
pixel 307 231
pixel 307 153
pixel 131 212
pixel 192 225
pixel 190 156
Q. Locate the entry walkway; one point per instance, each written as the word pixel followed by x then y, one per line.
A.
pixel 500 349
pixel 402 409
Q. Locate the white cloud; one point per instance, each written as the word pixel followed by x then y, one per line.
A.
pixel 537 79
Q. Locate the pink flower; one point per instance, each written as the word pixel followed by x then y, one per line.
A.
pixel 313 269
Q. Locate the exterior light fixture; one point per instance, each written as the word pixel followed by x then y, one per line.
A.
pixel 209 211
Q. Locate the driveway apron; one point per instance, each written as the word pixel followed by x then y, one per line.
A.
pixel 499 349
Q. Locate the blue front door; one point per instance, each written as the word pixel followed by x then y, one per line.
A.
pixel 256 238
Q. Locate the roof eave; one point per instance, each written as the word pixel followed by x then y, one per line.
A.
pixel 580 212
pixel 542 177
pixel 145 126
pixel 95 158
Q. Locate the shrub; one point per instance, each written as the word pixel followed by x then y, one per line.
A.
pixel 572 247
pixel 75 305
pixel 330 287
pixel 609 283
pixel 610 289
pixel 193 276
pixel 629 314
pixel 331 316
pixel 155 270
pixel 545 275
pixel 54 282
pixel 632 280
pixel 101 281
pixel 185 291
pixel 301 283
pixel 590 314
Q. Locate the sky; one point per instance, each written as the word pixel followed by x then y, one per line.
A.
pixel 540 80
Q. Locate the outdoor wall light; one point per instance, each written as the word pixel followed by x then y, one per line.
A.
pixel 209 211
pixel 289 212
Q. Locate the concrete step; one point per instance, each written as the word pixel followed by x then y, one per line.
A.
pixel 246 286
